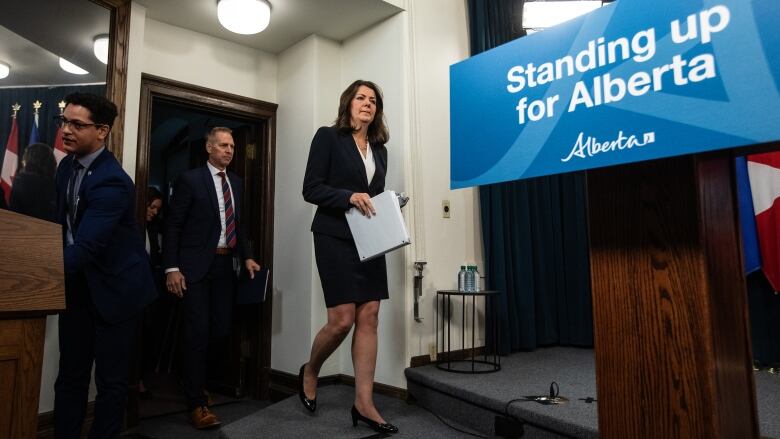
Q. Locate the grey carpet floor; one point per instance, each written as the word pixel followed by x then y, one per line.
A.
pixel 288 419
pixel 169 397
pixel 768 399
pixel 177 426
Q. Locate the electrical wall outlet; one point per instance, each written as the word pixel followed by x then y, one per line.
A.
pixel 432 351
pixel 445 208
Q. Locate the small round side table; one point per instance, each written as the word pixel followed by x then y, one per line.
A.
pixel 490 360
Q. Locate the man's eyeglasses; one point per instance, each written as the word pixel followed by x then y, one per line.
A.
pixel 76 125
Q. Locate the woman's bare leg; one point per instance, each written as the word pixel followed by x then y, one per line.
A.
pixel 340 320
pixel 364 347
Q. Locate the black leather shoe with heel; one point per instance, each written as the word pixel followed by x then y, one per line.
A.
pixel 376 426
pixel 310 404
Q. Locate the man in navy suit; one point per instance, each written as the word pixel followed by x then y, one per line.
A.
pixel 203 236
pixel 107 277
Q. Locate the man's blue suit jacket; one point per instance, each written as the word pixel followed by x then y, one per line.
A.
pixel 193 226
pixel 107 251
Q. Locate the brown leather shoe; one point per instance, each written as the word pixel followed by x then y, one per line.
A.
pixel 203 418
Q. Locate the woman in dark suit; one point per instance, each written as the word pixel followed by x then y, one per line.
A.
pixel 33 192
pixel 346 167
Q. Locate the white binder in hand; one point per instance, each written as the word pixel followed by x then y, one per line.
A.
pixel 380 233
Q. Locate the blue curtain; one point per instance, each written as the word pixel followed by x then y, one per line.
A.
pixel 534 231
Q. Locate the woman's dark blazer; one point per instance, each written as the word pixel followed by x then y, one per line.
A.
pixel 335 171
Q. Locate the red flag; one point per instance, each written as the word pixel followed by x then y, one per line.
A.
pixel 59 148
pixel 764 172
pixel 11 159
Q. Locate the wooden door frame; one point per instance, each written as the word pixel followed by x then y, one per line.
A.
pixel 236 106
pixel 116 70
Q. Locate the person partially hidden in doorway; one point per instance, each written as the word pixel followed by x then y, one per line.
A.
pixel 203 235
pixel 154 319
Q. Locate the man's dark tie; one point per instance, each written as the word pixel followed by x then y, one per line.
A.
pixel 72 196
pixel 230 218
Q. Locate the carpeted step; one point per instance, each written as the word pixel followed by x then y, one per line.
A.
pixel 476 400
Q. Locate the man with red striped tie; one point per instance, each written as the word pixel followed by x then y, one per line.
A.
pixel 203 235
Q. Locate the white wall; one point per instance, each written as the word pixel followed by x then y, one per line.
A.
pixel 195 58
pixel 438 37
pixel 312 75
pixel 325 101
pixel 51 358
pixel 135 66
pixel 398 3
pixel 377 55
pixel 294 269
pixel 409 56
pixel 172 52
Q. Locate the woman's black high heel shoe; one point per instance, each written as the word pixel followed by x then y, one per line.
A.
pixel 310 404
pixel 376 426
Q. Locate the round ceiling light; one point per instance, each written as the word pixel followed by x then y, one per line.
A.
pixel 5 70
pixel 244 17
pixel 71 68
pixel 100 48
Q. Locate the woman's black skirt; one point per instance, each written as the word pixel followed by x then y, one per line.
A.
pixel 344 278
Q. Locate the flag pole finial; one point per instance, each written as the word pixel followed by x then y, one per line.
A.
pixel 37 105
pixel 15 108
pixel 61 106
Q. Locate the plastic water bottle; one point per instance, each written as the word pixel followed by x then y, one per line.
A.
pixel 477 281
pixel 462 279
pixel 470 279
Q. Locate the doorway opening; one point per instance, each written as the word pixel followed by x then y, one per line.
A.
pixel 174 120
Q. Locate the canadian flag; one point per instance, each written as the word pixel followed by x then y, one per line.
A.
pixel 764 174
pixel 59 148
pixel 11 159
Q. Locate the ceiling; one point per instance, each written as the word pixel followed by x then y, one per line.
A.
pixel 35 33
pixel 291 20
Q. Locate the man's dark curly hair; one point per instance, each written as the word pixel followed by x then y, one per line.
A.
pixel 103 111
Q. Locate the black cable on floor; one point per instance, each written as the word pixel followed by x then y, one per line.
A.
pixel 511 401
pixel 377 436
pixel 452 426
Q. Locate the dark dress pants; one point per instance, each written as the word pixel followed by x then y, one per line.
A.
pixel 86 338
pixel 208 307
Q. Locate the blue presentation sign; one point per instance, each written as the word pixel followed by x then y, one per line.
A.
pixel 634 80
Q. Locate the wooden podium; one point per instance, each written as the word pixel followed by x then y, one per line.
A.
pixel 671 334
pixel 32 286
